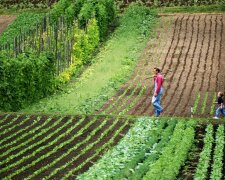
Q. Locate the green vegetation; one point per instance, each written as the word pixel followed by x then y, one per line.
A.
pixel 192 9
pixel 25 79
pixel 57 136
pixel 129 147
pixel 111 67
pixel 205 156
pixel 23 23
pixel 217 166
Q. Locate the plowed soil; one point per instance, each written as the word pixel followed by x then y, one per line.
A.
pixel 190 50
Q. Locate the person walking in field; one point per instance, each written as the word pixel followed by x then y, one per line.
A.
pixel 220 108
pixel 158 91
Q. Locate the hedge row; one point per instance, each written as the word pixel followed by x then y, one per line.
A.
pixel 25 79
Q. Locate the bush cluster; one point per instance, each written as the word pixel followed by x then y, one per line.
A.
pixel 25 79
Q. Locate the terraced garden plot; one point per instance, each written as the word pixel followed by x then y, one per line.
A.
pixel 175 148
pixel 5 21
pixel 41 146
pixel 189 48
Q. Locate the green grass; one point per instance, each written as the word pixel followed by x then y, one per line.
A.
pixel 15 11
pixel 192 9
pixel 111 68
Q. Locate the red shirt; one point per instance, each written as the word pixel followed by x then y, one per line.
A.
pixel 158 79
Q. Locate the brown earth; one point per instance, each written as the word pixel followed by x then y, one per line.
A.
pixel 5 21
pixel 190 49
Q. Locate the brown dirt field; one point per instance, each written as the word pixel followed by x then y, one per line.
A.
pixel 5 21
pixel 191 58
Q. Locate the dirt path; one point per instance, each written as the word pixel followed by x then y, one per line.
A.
pixel 5 21
pixel 190 51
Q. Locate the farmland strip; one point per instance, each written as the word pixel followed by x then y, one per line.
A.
pixel 3 119
pixel 73 171
pixel 190 70
pixel 87 141
pixel 18 118
pixel 12 120
pixel 19 149
pixel 60 137
pixel 140 87
pixel 128 147
pixel 10 139
pixel 174 155
pixel 202 88
pixel 220 55
pixel 176 70
pixel 150 157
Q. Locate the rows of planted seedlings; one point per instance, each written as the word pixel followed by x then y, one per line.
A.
pixel 37 147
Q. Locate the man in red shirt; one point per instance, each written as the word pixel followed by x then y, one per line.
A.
pixel 158 90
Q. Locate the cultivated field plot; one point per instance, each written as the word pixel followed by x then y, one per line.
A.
pixel 190 50
pixel 51 147
pixel 175 148
pixel 5 21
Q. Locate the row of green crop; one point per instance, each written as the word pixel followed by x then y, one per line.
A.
pixel 204 103
pixel 30 141
pixel 175 153
pixel 98 151
pixel 9 165
pixel 202 171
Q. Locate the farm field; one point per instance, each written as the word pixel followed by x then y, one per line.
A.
pixel 190 50
pixel 37 146
pixel 65 146
pixel 100 125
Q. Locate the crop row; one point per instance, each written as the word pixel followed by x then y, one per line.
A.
pixel 48 147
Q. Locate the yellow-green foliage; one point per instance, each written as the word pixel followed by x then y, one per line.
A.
pixel 85 44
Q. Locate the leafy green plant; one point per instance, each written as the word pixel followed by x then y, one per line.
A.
pixel 114 160
pixel 25 79
pixel 217 166
pixel 203 164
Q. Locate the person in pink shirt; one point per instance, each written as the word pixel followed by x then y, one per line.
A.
pixel 158 91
